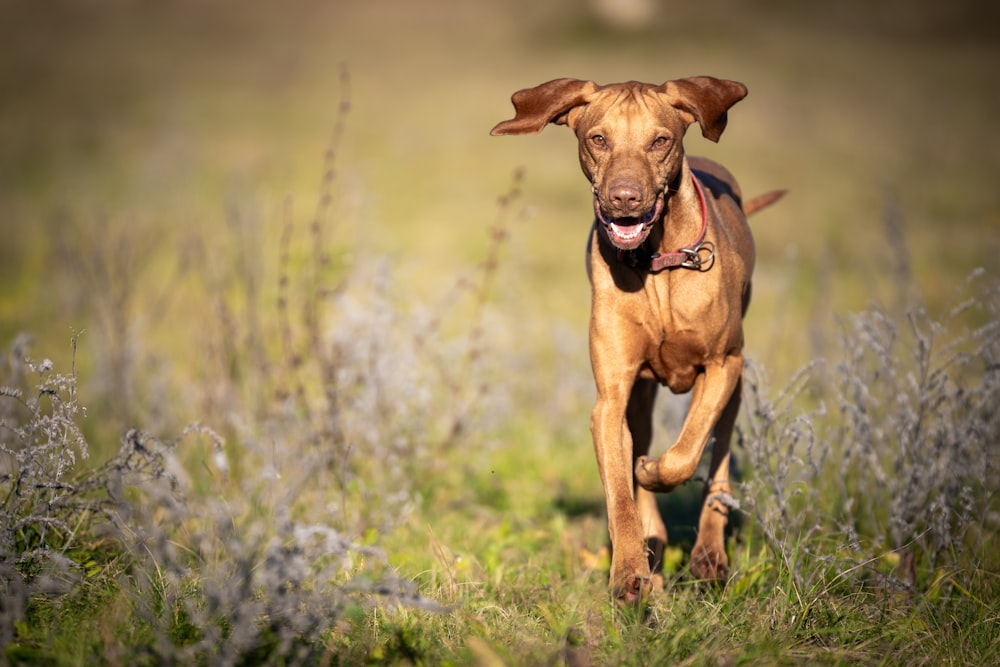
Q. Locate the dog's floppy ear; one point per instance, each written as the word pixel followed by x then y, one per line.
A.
pixel 707 99
pixel 548 103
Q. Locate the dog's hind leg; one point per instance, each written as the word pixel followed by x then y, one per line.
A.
pixel 708 557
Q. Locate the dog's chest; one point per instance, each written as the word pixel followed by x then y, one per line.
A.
pixel 667 325
pixel 683 326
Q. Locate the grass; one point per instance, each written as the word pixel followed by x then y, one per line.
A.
pixel 452 540
pixel 286 383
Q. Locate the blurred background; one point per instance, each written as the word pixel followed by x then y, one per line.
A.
pixel 153 154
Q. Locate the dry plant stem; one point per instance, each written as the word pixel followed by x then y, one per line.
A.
pixel 320 254
pixel 499 233
pixel 293 359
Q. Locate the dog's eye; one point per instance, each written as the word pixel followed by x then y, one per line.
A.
pixel 599 140
pixel 661 142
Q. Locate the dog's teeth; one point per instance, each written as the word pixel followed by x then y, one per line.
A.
pixel 624 234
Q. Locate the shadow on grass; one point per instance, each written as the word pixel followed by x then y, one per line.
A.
pixel 578 506
pixel 680 510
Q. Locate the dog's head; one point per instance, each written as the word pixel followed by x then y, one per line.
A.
pixel 630 137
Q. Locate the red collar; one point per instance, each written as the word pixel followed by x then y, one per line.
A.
pixel 698 254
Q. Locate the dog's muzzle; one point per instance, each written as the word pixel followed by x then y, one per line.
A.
pixel 628 233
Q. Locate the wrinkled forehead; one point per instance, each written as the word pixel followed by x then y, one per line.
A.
pixel 626 107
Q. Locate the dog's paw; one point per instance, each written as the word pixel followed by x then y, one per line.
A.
pixel 709 565
pixel 647 475
pixel 632 590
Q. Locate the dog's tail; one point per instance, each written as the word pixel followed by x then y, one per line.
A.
pixel 762 201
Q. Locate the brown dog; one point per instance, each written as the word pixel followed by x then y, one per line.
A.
pixel 670 259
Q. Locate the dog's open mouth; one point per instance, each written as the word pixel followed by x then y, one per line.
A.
pixel 628 233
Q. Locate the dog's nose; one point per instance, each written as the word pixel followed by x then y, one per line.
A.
pixel 625 198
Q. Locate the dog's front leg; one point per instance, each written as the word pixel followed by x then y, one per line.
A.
pixel 715 402
pixel 630 575
pixel 712 390
pixel 639 418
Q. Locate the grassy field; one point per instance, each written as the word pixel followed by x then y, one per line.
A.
pixel 307 376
